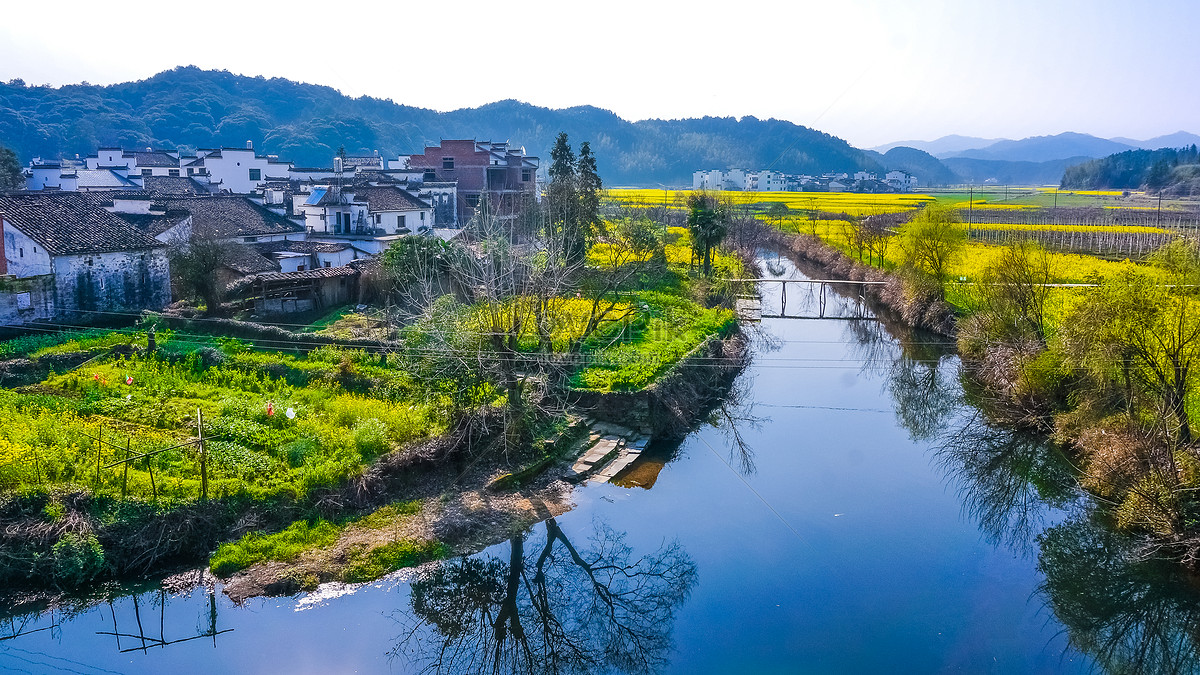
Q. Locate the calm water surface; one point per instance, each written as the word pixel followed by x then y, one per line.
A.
pixel 848 514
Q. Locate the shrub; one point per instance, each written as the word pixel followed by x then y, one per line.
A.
pixel 371 437
pixel 77 559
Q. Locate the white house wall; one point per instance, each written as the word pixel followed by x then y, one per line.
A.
pixel 24 256
pixel 337 258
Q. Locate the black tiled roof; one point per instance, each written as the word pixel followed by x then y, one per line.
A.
pixel 305 275
pixel 155 158
pixel 300 247
pixel 67 223
pixel 231 216
pixel 174 185
pixel 154 224
pixel 388 198
pixel 245 260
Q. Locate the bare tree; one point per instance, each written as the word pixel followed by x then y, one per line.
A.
pixel 196 261
pixel 553 609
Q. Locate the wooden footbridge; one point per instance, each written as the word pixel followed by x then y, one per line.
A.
pixel 749 306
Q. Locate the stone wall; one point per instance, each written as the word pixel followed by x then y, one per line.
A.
pixel 95 284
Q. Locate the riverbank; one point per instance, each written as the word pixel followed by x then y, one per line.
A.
pixel 453 476
pixel 1138 465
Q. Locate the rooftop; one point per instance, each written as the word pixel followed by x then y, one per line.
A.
pixel 67 223
pixel 227 216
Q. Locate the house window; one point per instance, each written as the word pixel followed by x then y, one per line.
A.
pixel 328 264
pixel 174 173
pixel 430 176
pixel 255 174
pixel 299 268
pixel 422 215
pixel 526 175
pixel 22 249
pixel 191 171
pixel 378 218
pixel 147 172
pixel 399 222
pixel 472 200
pixel 448 163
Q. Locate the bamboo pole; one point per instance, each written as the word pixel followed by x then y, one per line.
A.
pixel 203 454
pixel 125 472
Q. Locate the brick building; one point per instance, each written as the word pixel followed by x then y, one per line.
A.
pixel 505 174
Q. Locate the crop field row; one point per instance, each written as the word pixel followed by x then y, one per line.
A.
pixel 855 204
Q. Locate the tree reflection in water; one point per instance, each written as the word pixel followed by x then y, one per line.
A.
pixel 1007 479
pixel 1132 616
pixel 549 608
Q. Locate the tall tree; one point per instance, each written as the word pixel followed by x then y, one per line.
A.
pixel 10 170
pixel 589 191
pixel 932 241
pixel 708 221
pixel 562 199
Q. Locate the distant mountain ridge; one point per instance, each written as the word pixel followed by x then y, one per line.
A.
pixel 941 146
pixel 1045 148
pixel 187 107
pixel 1041 148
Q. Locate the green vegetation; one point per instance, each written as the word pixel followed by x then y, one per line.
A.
pixel 277 424
pixel 364 562
pixel 10 170
pixel 372 563
pixel 1174 171
pixel 283 546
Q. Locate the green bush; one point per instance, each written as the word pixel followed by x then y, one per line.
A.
pixel 371 437
pixel 77 559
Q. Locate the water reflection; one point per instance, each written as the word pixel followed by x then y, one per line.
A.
pixel 1131 615
pixel 549 608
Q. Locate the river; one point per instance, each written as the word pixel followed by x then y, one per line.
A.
pixel 848 512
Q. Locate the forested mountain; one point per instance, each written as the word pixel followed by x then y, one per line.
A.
pixel 1174 171
pixel 188 108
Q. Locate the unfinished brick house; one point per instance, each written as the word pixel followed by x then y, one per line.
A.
pixel 505 174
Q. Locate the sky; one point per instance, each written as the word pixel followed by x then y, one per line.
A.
pixel 868 71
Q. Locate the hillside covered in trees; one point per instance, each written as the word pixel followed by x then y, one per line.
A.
pixel 1173 171
pixel 188 108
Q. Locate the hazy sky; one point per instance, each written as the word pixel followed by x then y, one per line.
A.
pixel 867 71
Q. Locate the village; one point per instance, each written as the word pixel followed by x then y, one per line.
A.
pixel 777 181
pixel 89 237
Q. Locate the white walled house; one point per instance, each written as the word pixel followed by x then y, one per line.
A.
pixel 90 260
pixel 367 217
pixel 237 170
pixel 900 180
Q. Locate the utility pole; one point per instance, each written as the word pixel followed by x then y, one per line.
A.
pixel 970 209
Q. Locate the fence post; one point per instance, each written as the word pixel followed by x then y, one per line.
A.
pixel 203 454
pixel 99 450
pixel 125 472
